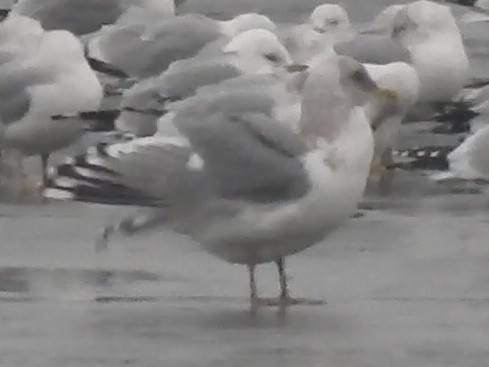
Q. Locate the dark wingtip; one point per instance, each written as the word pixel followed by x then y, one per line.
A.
pixel 454 116
pixel 104 67
pixel 97 121
pixel 425 158
pixel 100 121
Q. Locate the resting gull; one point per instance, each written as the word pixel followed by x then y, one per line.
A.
pixel 243 185
pixel 87 16
pixel 160 44
pixel 256 51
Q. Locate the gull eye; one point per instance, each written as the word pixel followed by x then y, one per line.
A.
pixel 332 21
pixel 273 57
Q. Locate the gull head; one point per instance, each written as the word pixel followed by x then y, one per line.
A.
pixel 358 84
pixel 18 28
pixel 257 51
pixel 433 16
pixel 382 23
pixel 399 77
pixel 402 25
pixel 245 22
pixel 336 87
pixel 61 47
pixel 329 18
pixel 423 18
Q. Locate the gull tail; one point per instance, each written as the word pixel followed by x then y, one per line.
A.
pixel 425 158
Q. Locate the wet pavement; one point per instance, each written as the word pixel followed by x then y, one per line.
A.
pixel 406 284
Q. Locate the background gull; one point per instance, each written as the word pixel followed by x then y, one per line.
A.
pixel 158 45
pixel 426 35
pixel 54 80
pixel 19 35
pixel 256 51
pixel 382 24
pixel 244 186
pixel 386 119
pixel 87 16
pixel 327 25
pixel 470 160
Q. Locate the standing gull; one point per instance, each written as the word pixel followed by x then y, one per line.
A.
pixel 245 187
pixel 54 80
pixel 424 34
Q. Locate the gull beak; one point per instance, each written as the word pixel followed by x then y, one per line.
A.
pixel 296 68
pixel 386 94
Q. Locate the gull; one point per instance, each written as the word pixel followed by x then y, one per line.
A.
pixel 424 34
pixel 19 35
pixel 158 45
pixel 470 160
pixel 87 16
pixel 386 119
pixel 256 51
pixel 328 24
pixel 246 187
pixel 53 81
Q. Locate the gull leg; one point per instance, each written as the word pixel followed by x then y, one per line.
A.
pixel 386 175
pixel 20 177
pixel 254 301
pixel 375 171
pixel 44 165
pixel 27 189
pixel 283 300
pixel 45 178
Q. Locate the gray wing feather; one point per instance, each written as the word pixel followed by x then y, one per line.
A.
pixel 180 38
pixel 77 16
pixel 247 154
pixel 190 75
pixel 177 83
pixel 149 174
pixel 174 39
